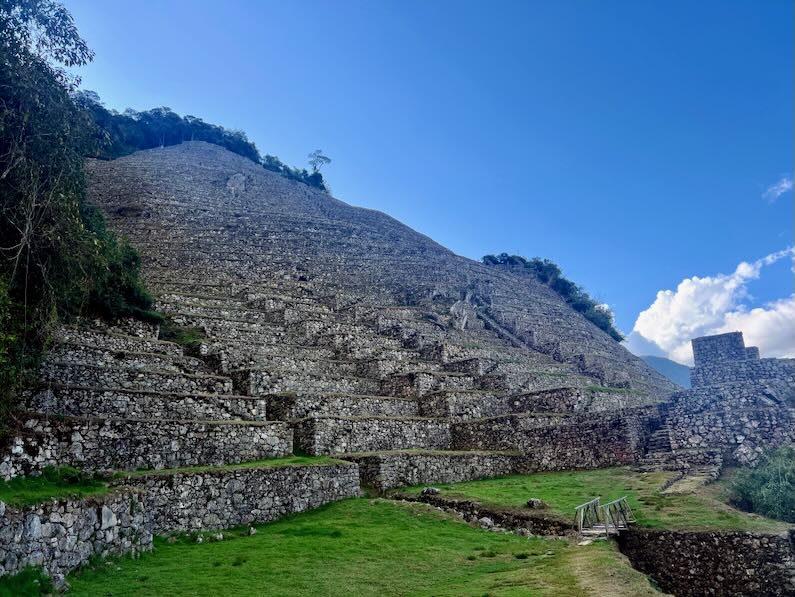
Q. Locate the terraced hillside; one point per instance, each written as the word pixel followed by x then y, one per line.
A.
pixel 329 331
pixel 365 335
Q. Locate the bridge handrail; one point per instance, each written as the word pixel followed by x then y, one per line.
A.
pixel 588 513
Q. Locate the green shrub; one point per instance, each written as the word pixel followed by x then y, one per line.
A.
pixel 549 273
pixel 768 489
pixel 184 335
pixel 28 583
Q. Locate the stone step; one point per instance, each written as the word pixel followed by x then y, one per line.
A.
pixel 385 365
pixel 421 383
pixel 301 364
pixel 220 328
pixel 259 382
pixel 95 444
pixel 554 441
pixel 291 406
pixel 68 352
pixel 237 314
pixel 142 404
pixel 358 347
pixel 183 500
pixel 462 405
pixel 114 342
pixel 133 379
pixel 389 469
pixel 336 435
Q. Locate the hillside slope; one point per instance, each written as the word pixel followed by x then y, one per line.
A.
pixel 207 220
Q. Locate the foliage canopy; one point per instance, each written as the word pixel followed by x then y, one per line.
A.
pixel 549 273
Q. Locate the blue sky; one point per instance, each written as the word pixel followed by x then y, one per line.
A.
pixel 631 142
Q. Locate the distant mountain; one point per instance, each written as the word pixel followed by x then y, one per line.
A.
pixel 679 374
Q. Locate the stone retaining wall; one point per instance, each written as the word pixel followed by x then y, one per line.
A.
pixel 114 342
pixel 227 498
pixel 713 563
pixel 750 370
pixel 463 405
pixel 742 419
pixel 535 522
pixel 549 443
pixel 144 379
pixel 142 404
pixel 108 444
pixel 157 361
pixel 337 435
pixel 61 535
pixel 288 407
pixel 387 470
pixel 261 382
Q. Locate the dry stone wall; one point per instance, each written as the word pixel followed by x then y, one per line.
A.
pixel 61 535
pixel 395 469
pixel 110 444
pixel 338 435
pixel 222 499
pixel 143 404
pixel 713 563
pixel 739 404
pixel 559 442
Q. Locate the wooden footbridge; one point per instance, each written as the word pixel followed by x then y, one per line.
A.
pixel 595 518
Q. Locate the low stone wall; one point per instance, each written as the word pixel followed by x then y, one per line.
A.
pixel 749 370
pixel 713 563
pixel 135 379
pixel 338 435
pixel 109 444
pixel 143 404
pixel 114 342
pixel 77 354
pixel 289 407
pixel 463 405
pixel 535 522
pixel 61 535
pixel 261 383
pixel 421 383
pixel 227 498
pixel 741 419
pixel 559 442
pixel 574 400
pixel 387 470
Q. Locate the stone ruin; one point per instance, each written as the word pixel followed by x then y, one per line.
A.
pixel 738 407
pixel 329 330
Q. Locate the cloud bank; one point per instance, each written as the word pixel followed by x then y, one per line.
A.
pixel 713 305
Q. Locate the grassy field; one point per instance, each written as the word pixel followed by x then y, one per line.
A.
pixel 563 491
pixel 53 482
pixel 367 547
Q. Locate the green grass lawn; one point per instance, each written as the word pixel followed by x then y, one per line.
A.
pixel 563 491
pixel 366 547
pixel 60 482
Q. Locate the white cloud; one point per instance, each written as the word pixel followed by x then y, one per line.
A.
pixel 712 305
pixel 771 328
pixel 775 191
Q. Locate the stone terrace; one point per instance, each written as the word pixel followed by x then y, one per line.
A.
pixel 329 330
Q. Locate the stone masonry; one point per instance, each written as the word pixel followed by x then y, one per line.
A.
pixel 739 405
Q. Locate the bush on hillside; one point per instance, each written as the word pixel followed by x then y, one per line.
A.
pixel 114 135
pixel 768 489
pixel 549 273
pixel 57 258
